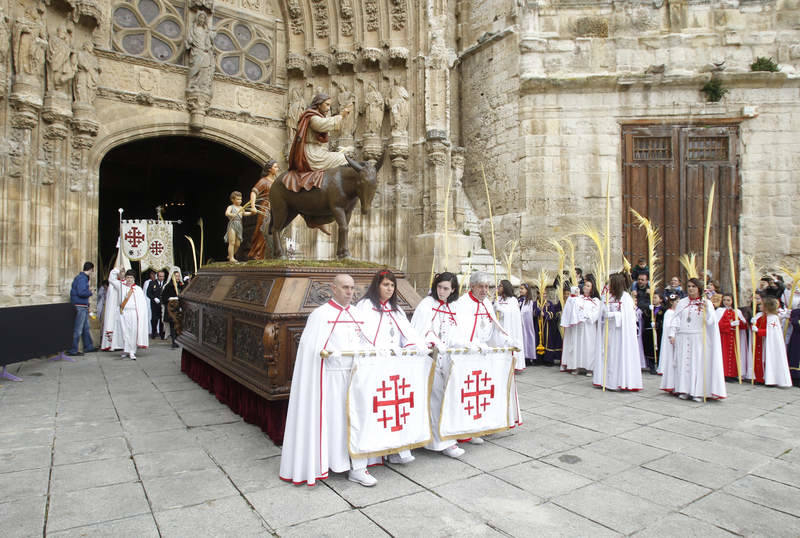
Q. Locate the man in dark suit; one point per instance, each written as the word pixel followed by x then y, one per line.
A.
pixel 154 292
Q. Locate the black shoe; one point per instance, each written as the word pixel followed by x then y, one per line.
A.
pixel 162 336
pixel 74 353
pixel 92 350
pixel 175 346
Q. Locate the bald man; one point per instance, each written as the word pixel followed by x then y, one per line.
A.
pixel 315 439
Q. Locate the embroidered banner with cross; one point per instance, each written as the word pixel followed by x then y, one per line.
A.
pixel 388 403
pixel 477 395
pixel 134 239
pixel 159 245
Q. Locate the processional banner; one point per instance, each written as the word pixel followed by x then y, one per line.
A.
pixel 388 402
pixel 477 394
pixel 134 239
pixel 159 245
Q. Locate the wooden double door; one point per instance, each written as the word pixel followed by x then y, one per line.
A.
pixel 668 171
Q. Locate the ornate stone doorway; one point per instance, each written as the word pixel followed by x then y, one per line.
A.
pixel 190 177
pixel 668 171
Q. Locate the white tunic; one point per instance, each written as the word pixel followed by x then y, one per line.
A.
pixel 387 328
pixel 315 438
pixel 479 323
pixel 133 322
pixel 773 351
pixel 508 315
pixel 699 370
pixel 316 152
pixel 437 323
pixel 581 344
pixel 666 352
pixel 621 367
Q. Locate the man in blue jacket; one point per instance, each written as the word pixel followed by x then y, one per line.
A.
pixel 79 297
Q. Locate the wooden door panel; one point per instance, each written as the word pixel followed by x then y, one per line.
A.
pixel 667 176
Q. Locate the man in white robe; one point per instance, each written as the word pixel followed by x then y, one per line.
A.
pixel 315 438
pixel 133 321
pixel 475 315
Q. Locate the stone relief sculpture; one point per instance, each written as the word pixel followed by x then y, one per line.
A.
pixel 374 109
pixel 344 98
pixel 201 55
pixel 87 75
pixel 30 43
pixel 5 37
pixel 296 107
pixel 399 109
pixel 60 60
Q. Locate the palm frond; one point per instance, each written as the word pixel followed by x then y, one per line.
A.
pixel 689 263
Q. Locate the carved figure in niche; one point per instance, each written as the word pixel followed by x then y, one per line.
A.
pixel 259 202
pixel 374 109
pixel 4 38
pixel 87 74
pixel 346 99
pixel 233 235
pixel 30 43
pixel 201 55
pixel 61 63
pixel 296 106
pixel 399 108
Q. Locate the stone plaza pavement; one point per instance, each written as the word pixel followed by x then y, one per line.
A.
pixel 111 447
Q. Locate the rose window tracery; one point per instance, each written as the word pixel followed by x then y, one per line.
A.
pixel 243 50
pixel 149 28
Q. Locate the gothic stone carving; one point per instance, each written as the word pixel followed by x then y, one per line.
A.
pixel 295 16
pixel 295 63
pixel 199 85
pixel 398 14
pixel 399 109
pixel 371 9
pixel 5 36
pixel 346 13
pixel 29 51
pixel 373 109
pixel 320 9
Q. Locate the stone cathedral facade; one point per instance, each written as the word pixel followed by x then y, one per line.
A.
pixel 551 99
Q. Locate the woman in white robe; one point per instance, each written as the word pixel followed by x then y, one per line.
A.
pixel 506 308
pixel 527 301
pixel 618 367
pixel 699 370
pixel 436 322
pixel 581 344
pixel 387 326
pixel 131 305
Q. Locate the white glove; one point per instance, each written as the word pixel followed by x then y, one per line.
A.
pixel 735 323
pixel 652 307
pixel 753 321
pixel 440 347
pixel 157 300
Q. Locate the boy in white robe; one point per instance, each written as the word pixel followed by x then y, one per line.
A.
pixel 579 320
pixel 506 308
pixel 132 308
pixel 315 438
pixel 773 349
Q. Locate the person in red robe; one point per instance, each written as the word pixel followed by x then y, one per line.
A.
pixel 730 321
pixel 259 201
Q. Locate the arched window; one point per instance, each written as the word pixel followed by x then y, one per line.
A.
pixel 243 50
pixel 149 28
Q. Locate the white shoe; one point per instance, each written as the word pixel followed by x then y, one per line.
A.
pixel 683 396
pixel 397 458
pixel 124 355
pixel 362 477
pixel 454 451
pixel 574 372
pixel 589 374
pixel 133 356
pixel 697 399
pixel 476 441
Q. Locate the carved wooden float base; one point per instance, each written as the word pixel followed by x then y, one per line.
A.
pixel 245 322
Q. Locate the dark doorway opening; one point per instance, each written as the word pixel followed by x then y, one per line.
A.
pixel 190 177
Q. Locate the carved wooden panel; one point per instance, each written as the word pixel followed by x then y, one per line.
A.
pixel 203 285
pixel 215 330
pixel 250 291
pixel 248 344
pixel 190 319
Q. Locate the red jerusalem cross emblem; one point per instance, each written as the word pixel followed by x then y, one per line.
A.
pixel 479 406
pixel 134 237
pixel 156 248
pixel 397 406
